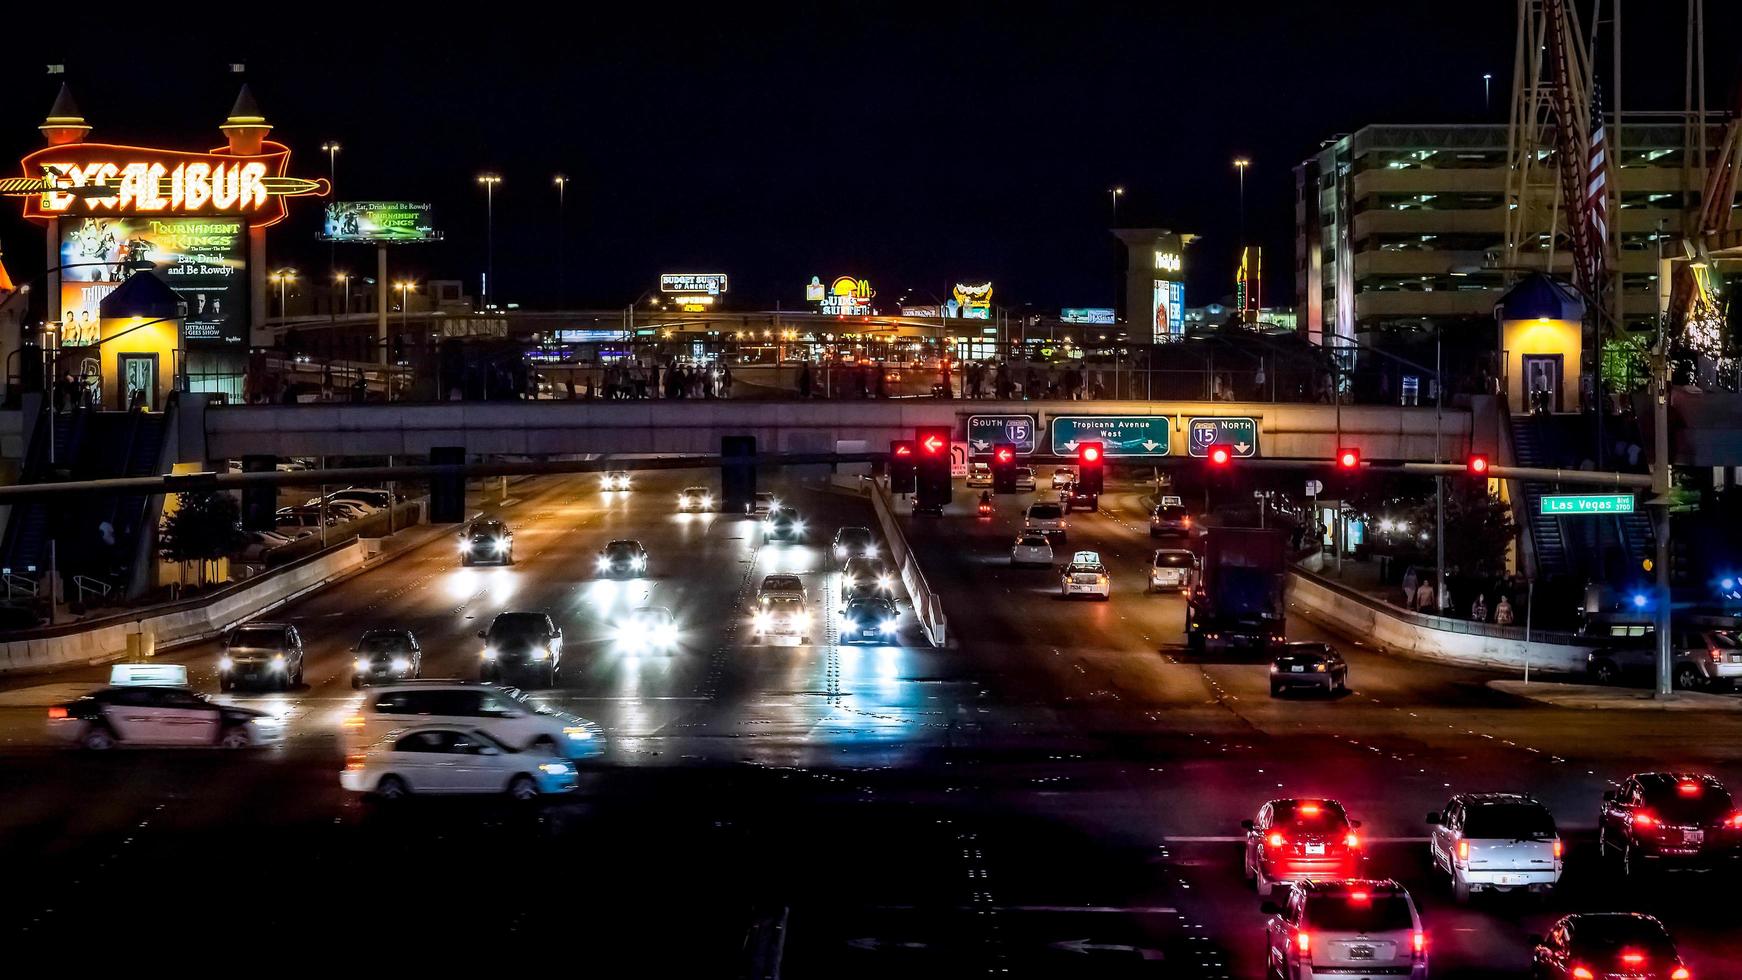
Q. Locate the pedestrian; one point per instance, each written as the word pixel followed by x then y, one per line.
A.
pixel 1409 583
pixel 725 380
pixel 804 381
pixel 1503 612
pixel 1424 596
pixel 1479 609
pixel 1031 384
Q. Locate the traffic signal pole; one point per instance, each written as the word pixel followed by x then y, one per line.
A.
pixel 1660 485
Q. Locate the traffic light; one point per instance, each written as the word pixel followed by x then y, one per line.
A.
pixel 1348 459
pixel 737 474
pixel 1478 465
pixel 932 472
pixel 447 494
pixel 1003 468
pixel 1220 456
pixel 1090 469
pixel 901 466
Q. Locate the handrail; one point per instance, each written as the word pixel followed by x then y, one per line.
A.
pixel 1443 623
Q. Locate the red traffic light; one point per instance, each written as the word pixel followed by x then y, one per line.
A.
pixel 1005 454
pixel 1478 465
pixel 1348 459
pixel 1090 454
pixel 1219 455
pixel 933 445
pixel 903 449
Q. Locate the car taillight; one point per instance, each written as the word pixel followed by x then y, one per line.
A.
pixel 1275 839
pixel 1419 943
pixel 1581 973
pixel 1303 941
pixel 1557 849
pixel 1681 973
pixel 1733 821
pixel 353 762
pixel 352 721
pixel 1352 840
pixel 1632 958
pixel 1463 850
pixel 57 712
pixel 1644 819
pixel 1717 655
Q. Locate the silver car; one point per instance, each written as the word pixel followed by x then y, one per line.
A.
pixel 1495 842
pixel 1346 928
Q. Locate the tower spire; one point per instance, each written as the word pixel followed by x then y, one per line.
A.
pixel 64 123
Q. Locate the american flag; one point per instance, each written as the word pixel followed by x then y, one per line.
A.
pixel 1597 193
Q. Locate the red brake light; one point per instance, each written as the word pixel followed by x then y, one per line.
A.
pixel 1357 896
pixel 1580 973
pixel 57 712
pixel 1632 957
pixel 1734 820
pixel 1644 818
pixel 1352 840
pixel 1303 941
pixel 1309 809
pixel 1420 942
pixel 1688 788
pixel 1275 839
pixel 1681 973
pixel 1186 521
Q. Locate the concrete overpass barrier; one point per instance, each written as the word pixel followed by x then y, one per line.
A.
pixel 926 606
pixel 1437 638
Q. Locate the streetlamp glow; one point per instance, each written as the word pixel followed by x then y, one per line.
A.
pixel 489 181
pixel 1115 193
pixel 282 278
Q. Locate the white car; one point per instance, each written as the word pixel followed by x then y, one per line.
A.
pixel 152 716
pixel 1047 519
pixel 1031 549
pixel 1350 927
pixel 693 500
pixel 1024 478
pixel 504 713
pixel 763 503
pixel 1495 842
pixel 439 760
pixel 650 629
pixel 979 475
pixel 1063 477
pixel 1085 575
pixel 781 617
pixel 1172 568
pixel 615 480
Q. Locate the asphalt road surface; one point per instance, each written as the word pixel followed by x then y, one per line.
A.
pixel 1056 794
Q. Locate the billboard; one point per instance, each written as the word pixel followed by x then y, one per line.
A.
pixel 814 290
pixel 1167 310
pixel 204 259
pixel 1086 314
pixel 380 221
pixel 848 296
pixel 975 300
pixel 704 283
pixel 928 311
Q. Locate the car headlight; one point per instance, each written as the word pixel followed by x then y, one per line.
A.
pixel 759 622
pixel 278 661
pixel 541 653
pixel 798 527
pixel 489 653
pixel 553 768
pixel 883 582
pixel 707 500
pixel 602 563
pixel 578 734
pixel 802 620
pixel 401 664
pixel 225 663
pixel 362 664
pixel 501 545
pixel 640 562
pixel 840 551
pixel 890 625
pixel 667 634
pixel 465 546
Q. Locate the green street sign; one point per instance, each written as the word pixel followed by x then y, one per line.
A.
pixel 1120 436
pixel 1240 435
pixel 1570 504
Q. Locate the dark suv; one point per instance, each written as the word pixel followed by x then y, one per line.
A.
pixel 522 647
pixel 487 540
pixel 267 654
pixel 1607 946
pixel 1669 819
pixel 1702 657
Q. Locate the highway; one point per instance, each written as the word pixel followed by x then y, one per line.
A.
pixel 1055 794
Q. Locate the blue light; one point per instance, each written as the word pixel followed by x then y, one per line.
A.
pixel 1728 584
pixel 1638 601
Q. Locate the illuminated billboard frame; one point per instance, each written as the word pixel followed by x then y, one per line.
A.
pixel 380 221
pixel 58 182
pixel 708 283
pixel 203 258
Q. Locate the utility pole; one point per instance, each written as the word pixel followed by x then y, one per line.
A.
pixel 1660 487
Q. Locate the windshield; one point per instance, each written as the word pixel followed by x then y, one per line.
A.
pixel 855 535
pixel 258 638
pixel 620 549
pixel 518 624
pixel 1674 806
pixel 382 643
pixel 1509 821
pixel 1604 937
pixel 1722 640
pixel 490 530
pixel 781 583
pixel 1173 559
pixel 785 606
pixel 1170 513
pixel 1045 512
pixel 1345 913
pixel 1311 816
pixel 1035 541
pixel 868 610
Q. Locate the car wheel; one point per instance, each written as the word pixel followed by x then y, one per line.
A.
pixel 236 737
pixel 1460 890
pixel 1261 884
pixel 356 683
pixel 1246 871
pixel 1604 672
pixel 392 788
pixel 522 789
pixel 1276 690
pixel 1687 677
pixel 98 739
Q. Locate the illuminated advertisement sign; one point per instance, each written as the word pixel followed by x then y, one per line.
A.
pixel 932 311
pixel 380 221
pixel 1089 314
pixel 78 179
pixel 975 300
pixel 814 291
pixel 694 304
pixel 708 283
pixel 203 259
pixel 1167 310
pixel 848 297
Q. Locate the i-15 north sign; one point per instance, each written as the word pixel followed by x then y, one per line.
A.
pixel 1240 435
pixel 1120 436
pixel 986 430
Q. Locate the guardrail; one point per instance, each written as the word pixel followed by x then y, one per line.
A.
pixel 926 606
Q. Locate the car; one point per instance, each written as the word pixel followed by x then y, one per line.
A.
pixel 384 655
pixel 1046 518
pixel 1607 946
pixel 781 616
pixel 1063 476
pixel 695 500
pixel 649 629
pixel 1669 819
pixel 261 653
pixel 1169 519
pixel 1296 840
pixel 505 713
pixel 870 619
pixel 979 475
pixel 865 577
pixel 440 760
pixel 149 716
pixel 615 480
pixel 1702 658
pixel 763 502
pixel 854 542
pixel 350 510
pixel 305 516
pixel 1172 568
pixel 782 524
pixel 623 558
pixel 1356 927
pixel 487 540
pixel 1495 842
pixel 1311 665
pixel 780 584
pixel 1024 478
pixel 370 499
pixel 523 645
pixel 1031 549
pixel 1075 497
pixel 1085 575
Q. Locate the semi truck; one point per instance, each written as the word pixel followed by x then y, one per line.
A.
pixel 1237 599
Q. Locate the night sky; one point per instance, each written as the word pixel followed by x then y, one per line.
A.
pixel 914 147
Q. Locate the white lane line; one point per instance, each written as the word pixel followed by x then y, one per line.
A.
pixel 1241 838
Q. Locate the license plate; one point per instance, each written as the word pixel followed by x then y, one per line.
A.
pixel 869 632
pixel 1315 848
pixel 1297 670
pixel 1736 658
pixel 1360 952
pixel 1693 837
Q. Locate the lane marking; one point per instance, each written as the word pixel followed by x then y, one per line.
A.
pixel 1241 839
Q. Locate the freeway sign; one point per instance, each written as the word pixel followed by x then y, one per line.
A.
pixel 1587 503
pixel 1121 436
pixel 1240 435
pixel 985 430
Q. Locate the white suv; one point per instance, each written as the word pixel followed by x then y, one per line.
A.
pixel 1346 927
pixel 1048 519
pixel 1495 842
pixel 504 713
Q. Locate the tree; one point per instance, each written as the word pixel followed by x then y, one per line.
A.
pixel 206 526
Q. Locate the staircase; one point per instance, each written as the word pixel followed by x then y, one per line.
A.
pixel 1545 532
pixel 1608 545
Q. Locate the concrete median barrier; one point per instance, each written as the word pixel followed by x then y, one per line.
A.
pixel 926 606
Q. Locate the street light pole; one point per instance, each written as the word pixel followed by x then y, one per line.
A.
pixel 1115 192
pixel 1660 487
pixel 1487 99
pixel 331 149
pixel 489 181
pixel 562 266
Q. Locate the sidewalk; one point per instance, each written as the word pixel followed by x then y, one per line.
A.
pixel 1599 697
